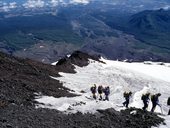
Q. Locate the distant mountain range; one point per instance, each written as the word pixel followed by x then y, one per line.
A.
pixel 47 34
pixel 152 27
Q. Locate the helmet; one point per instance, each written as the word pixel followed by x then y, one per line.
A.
pixel 159 94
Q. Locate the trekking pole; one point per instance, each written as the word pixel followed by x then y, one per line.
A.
pixel 161 108
pixel 165 106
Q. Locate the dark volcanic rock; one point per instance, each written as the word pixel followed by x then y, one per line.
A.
pixel 77 58
pixel 21 79
pixel 81 59
pixel 126 119
pixel 141 118
pixel 41 118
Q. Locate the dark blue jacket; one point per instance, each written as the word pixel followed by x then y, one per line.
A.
pixel 107 91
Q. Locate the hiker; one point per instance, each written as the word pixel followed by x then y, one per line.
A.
pixel 127 96
pixel 100 91
pixel 145 99
pixel 168 103
pixel 93 90
pixel 155 101
pixel 106 92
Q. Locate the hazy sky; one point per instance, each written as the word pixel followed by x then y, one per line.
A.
pixel 7 5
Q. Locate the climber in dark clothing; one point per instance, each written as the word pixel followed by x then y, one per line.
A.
pixel 168 103
pixel 100 91
pixel 127 96
pixel 107 92
pixel 145 99
pixel 93 90
pixel 155 101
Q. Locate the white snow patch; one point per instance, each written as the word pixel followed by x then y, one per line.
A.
pixel 68 55
pixel 120 76
pixel 42 60
pixel 41 46
pixel 54 63
pixel 157 71
pixel 74 104
pixel 133 112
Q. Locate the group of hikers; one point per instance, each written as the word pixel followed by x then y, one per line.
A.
pixel 127 95
pixel 100 90
pixel 154 99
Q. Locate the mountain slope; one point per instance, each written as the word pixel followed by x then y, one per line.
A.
pixel 120 76
pixel 23 82
pixel 21 79
pixel 152 27
pixel 151 30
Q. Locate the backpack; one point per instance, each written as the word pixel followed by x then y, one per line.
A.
pixel 125 94
pixel 152 98
pixel 100 89
pixel 143 97
pixel 168 102
pixel 93 89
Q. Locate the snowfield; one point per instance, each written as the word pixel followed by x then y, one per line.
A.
pixel 120 76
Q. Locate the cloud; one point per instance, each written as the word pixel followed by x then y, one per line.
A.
pixel 79 1
pixel 66 2
pixel 12 5
pixel 5 7
pixel 167 7
pixel 55 2
pixel 34 4
pixel 131 4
